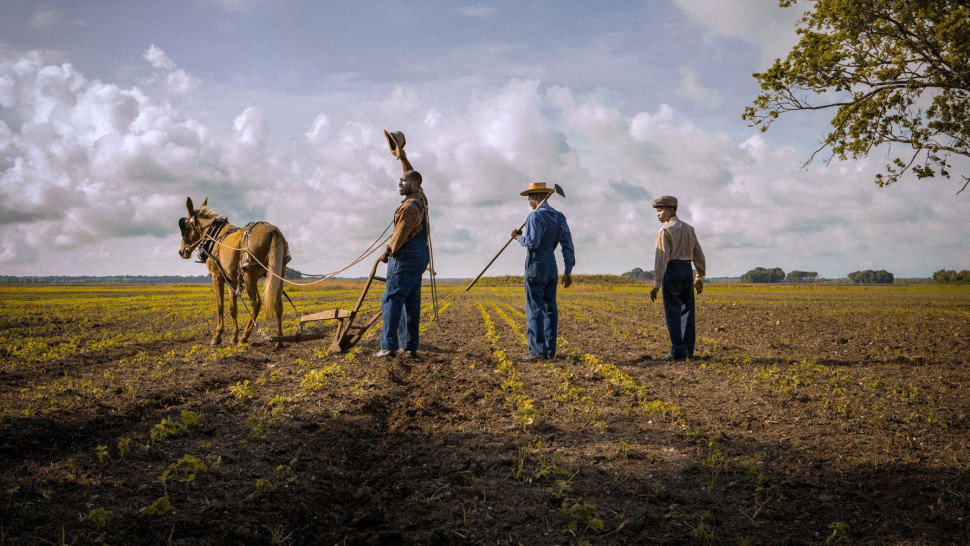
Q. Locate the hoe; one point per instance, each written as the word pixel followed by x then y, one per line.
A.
pixel 559 190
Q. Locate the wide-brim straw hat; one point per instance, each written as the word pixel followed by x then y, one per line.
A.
pixel 537 187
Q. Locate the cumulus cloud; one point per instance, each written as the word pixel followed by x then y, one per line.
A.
pixel 97 173
pixel 178 81
pixel 85 161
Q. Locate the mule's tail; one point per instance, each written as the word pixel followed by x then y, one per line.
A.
pixel 273 286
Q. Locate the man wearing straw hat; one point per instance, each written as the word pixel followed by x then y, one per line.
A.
pixel 677 247
pixel 545 229
pixel 407 258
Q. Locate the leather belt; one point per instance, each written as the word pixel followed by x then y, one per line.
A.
pixel 679 261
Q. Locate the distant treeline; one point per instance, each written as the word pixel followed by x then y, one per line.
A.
pixel 950 276
pixel 117 279
pixel 776 274
pixel 872 277
pixel 639 274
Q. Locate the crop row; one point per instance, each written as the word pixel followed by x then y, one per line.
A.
pixel 763 494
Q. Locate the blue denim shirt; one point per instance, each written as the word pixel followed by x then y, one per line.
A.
pixel 546 228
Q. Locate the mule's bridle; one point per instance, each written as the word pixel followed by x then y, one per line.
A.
pixel 206 237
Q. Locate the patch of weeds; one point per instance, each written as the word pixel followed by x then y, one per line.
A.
pixel 525 414
pixel 764 493
pixel 174 427
pixel 242 389
pixel 369 380
pixel 286 475
pixel 124 447
pixel 838 529
pixel 184 470
pixel 624 449
pixel 315 380
pixel 704 530
pixel 99 518
pixel 160 507
pixel 102 452
pixel 715 461
pixel 263 427
pixel 584 519
pixel 279 536
pixel 353 353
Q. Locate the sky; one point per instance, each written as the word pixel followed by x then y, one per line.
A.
pixel 113 112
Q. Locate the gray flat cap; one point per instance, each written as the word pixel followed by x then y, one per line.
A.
pixel 665 201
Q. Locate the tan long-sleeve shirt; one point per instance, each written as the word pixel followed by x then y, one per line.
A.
pixel 407 221
pixel 676 240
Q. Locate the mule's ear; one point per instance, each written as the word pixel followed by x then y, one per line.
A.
pixel 204 202
pixel 188 204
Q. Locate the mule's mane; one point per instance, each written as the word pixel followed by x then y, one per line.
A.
pixel 205 213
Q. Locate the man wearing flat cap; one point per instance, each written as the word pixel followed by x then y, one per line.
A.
pixel 677 248
pixel 407 258
pixel 545 229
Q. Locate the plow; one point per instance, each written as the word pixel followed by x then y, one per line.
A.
pixel 348 334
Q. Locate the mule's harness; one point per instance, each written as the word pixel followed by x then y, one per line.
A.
pixel 209 238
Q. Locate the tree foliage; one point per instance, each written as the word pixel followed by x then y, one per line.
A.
pixel 639 274
pixel 895 72
pixel 801 276
pixel 872 277
pixel 951 276
pixel 761 274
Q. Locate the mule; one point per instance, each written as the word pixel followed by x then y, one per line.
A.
pixel 238 257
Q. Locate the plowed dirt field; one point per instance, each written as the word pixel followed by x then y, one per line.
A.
pixel 812 414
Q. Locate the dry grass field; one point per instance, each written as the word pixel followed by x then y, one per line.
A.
pixel 812 415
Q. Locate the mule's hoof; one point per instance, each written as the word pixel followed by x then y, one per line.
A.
pixel 215 342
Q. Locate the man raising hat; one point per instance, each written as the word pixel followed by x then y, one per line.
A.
pixel 545 228
pixel 677 247
pixel 407 258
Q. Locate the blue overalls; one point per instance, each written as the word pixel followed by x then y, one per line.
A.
pixel 402 292
pixel 545 229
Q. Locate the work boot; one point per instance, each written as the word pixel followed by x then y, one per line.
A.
pixel 410 353
pixel 384 353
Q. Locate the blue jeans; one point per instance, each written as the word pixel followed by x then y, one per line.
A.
pixel 402 295
pixel 678 295
pixel 541 311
